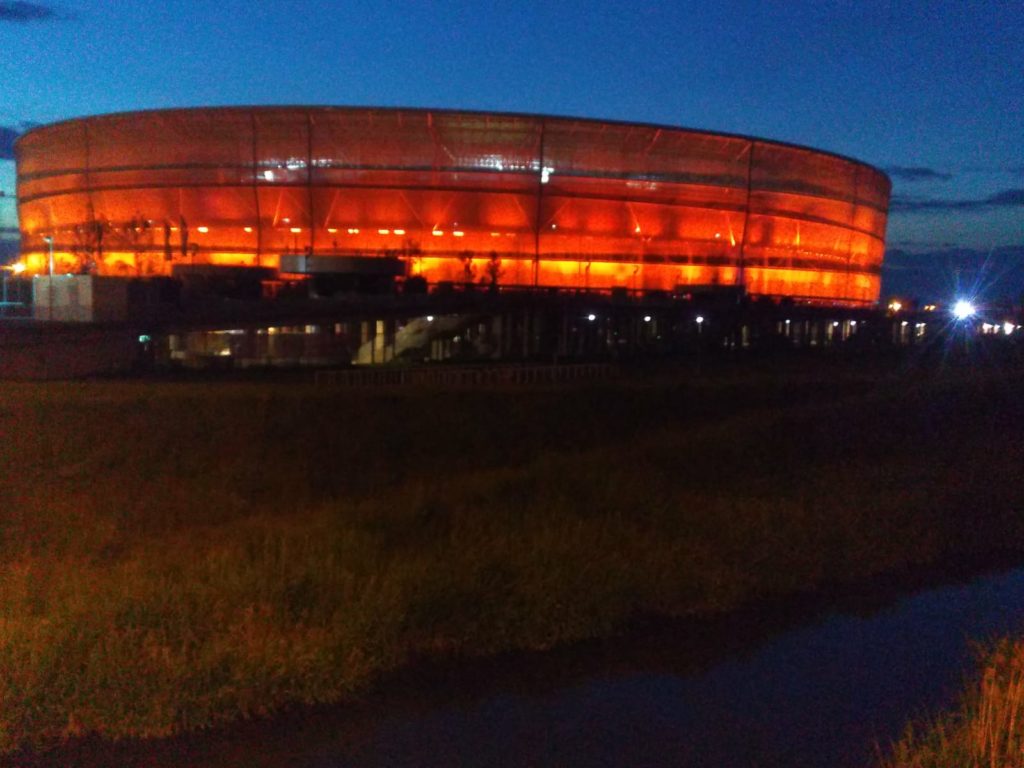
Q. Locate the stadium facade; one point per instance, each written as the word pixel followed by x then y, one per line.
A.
pixel 508 200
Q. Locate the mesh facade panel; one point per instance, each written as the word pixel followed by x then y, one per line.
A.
pixel 460 196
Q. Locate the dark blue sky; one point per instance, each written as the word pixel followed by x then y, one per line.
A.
pixel 930 91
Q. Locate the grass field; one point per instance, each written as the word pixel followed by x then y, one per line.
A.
pixel 175 555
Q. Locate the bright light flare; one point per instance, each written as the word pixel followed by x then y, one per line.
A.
pixel 963 309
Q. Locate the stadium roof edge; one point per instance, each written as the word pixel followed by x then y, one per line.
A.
pixel 453 111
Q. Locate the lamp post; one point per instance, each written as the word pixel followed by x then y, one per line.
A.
pixel 7 268
pixel 48 239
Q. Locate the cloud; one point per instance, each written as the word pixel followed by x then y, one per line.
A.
pixel 943 273
pixel 919 244
pixel 9 134
pixel 7 137
pixel 1008 198
pixel 917 173
pixel 20 12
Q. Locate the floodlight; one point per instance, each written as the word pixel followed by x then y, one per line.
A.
pixel 963 309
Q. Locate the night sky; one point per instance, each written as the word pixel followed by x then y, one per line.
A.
pixel 929 91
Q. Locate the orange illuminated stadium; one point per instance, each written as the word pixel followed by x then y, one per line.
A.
pixel 506 199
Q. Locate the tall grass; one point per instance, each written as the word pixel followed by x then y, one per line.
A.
pixel 986 730
pixel 173 556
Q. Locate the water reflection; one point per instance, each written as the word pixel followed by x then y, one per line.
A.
pixel 755 690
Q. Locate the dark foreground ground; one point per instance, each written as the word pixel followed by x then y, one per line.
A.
pixel 176 555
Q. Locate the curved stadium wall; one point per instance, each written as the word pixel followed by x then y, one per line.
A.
pixel 526 201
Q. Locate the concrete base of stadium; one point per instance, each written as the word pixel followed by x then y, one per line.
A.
pixel 190 323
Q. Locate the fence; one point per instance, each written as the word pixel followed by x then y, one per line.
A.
pixel 465 376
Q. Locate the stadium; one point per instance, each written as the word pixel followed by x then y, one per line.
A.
pixel 510 201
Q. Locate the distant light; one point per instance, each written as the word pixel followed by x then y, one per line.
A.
pixel 895 306
pixel 903 324
pixel 296 230
pixel 591 317
pixel 17 267
pixel 437 233
pixel 700 319
pixel 286 220
pixel 399 231
pixel 203 230
pixel 545 174
pixel 144 339
pixel 495 234
pixel 963 309
pixel 353 230
pixel 1009 327
pixel 383 231
pixel 459 233
pixel 717 235
pixel 637 230
pixel 554 226
pixel 430 318
pixel 332 230
pixel 647 318
pixel 268 175
pixel 248 229
pixel 853 323
pixel 835 323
